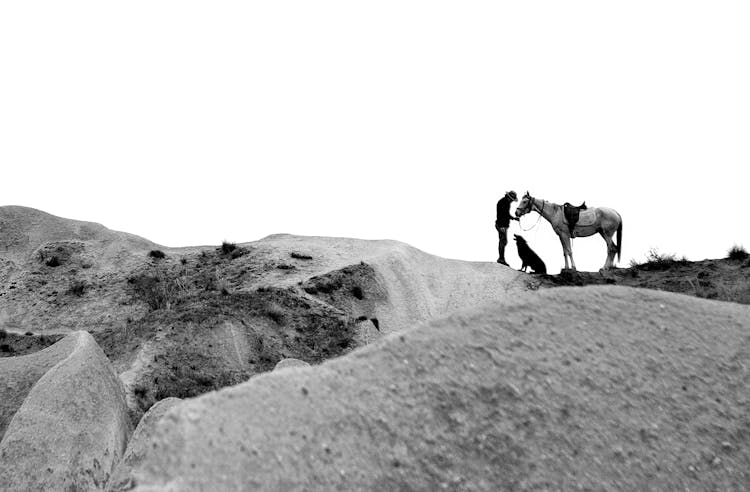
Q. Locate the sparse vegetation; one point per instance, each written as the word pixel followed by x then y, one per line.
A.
pixel 300 256
pixel 276 313
pixel 183 381
pixel 158 291
pixel 357 292
pixel 232 250
pixel 658 261
pixel 15 344
pixel 157 254
pixel 737 253
pixel 723 280
pixel 77 288
pixel 53 262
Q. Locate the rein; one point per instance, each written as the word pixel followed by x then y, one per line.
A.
pixel 535 224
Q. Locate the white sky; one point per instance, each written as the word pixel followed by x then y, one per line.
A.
pixel 190 123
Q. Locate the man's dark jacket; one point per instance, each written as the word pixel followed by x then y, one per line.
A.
pixel 503 212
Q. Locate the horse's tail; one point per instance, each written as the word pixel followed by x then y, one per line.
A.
pixel 619 240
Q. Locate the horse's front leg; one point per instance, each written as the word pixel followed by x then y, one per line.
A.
pixel 570 253
pixel 565 242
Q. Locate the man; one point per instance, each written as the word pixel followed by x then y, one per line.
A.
pixel 503 222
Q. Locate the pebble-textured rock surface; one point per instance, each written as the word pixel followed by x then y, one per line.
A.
pixel 72 427
pixel 139 444
pixel 595 388
pixel 19 374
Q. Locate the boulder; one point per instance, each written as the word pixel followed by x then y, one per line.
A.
pixel 572 388
pixel 139 444
pixel 72 427
pixel 19 374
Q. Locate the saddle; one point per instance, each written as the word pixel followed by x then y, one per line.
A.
pixel 572 214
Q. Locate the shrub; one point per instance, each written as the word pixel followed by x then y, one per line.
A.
pixel 158 292
pixel 156 254
pixel 77 288
pixel 660 261
pixel 357 292
pixel 3 333
pixel 227 247
pixel 738 253
pixel 276 313
pixel 53 261
pixel 300 256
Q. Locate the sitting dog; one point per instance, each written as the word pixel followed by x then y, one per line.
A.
pixel 528 257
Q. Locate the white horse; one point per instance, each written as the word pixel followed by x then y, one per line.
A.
pixel 603 220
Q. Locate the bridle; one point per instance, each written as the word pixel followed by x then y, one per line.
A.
pixel 530 205
pixel 529 209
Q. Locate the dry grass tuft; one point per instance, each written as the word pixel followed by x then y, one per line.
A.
pixel 737 253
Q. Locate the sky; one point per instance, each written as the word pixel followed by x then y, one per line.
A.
pixel 191 123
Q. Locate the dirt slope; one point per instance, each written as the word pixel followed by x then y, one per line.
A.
pixel 60 275
pixel 573 389
pixel 721 279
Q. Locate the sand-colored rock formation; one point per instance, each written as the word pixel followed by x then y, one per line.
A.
pixel 570 389
pixel 19 374
pixel 469 378
pixel 72 427
pixel 138 445
pixel 60 275
pixel 417 286
pixel 23 230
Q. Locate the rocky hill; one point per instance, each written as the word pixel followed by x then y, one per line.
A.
pixel 178 322
pixel 409 385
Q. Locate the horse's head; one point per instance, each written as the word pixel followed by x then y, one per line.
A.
pixel 525 205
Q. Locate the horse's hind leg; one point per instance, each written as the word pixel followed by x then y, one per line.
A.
pixel 611 250
pixel 570 253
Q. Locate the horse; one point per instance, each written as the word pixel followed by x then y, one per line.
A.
pixel 602 220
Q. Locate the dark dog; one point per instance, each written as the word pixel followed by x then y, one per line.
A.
pixel 528 257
